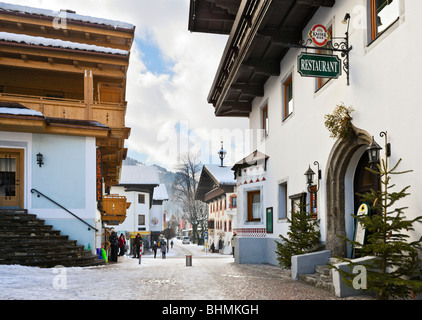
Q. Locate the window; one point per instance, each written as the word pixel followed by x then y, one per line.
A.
pixel 254 206
pixel 141 198
pixel 282 201
pixel 233 202
pixel 383 14
pixel 269 228
pixel 288 97
pixel 320 82
pixel 264 118
pixel 141 219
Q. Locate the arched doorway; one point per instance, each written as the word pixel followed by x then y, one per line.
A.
pixel 337 167
pixel 364 181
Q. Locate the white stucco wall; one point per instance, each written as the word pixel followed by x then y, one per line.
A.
pixel 384 91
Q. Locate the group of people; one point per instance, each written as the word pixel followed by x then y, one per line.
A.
pixel 163 247
pixel 118 246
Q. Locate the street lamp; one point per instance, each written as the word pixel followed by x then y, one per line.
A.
pixel 40 161
pixel 310 176
pixel 222 153
pixel 374 148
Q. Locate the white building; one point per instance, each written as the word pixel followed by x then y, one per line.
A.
pixel 258 78
pixel 157 214
pixel 137 184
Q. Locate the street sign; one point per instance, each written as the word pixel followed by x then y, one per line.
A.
pixel 319 65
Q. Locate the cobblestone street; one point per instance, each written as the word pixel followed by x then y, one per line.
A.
pixel 211 277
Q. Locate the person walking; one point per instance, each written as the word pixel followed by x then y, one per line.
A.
pixel 137 246
pixel 163 250
pixel 154 248
pixel 122 244
pixel 171 243
pixel 232 241
pixel 114 245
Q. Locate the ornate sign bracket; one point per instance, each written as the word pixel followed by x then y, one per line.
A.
pixel 335 44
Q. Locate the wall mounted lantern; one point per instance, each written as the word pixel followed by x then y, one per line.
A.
pixel 374 148
pixel 40 158
pixel 222 153
pixel 373 152
pixel 310 177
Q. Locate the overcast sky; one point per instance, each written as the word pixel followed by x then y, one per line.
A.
pixel 170 75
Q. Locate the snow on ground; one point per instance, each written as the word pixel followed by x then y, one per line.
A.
pixel 163 279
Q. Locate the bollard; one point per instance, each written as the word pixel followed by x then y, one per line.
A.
pixel 188 261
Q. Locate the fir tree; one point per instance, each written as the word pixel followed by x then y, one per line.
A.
pixel 395 271
pixel 303 237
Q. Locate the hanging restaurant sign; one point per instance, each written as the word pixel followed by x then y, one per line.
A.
pixel 319 65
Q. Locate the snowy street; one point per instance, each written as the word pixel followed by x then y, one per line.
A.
pixel 212 276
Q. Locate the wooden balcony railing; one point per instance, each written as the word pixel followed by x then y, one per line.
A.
pixel 108 113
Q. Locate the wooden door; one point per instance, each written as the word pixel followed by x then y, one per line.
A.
pixel 11 178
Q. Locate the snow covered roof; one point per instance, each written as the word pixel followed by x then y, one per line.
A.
pixel 20 112
pixel 139 174
pixel 68 14
pixel 223 175
pixel 57 43
pixel 160 192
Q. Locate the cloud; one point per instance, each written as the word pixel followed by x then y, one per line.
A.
pixel 164 98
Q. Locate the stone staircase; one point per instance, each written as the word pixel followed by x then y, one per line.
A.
pixel 321 278
pixel 26 240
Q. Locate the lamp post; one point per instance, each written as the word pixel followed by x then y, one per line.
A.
pixel 222 153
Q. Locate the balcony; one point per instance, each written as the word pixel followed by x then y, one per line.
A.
pixel 114 209
pixel 108 113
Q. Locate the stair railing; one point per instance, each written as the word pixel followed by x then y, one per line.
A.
pixel 41 194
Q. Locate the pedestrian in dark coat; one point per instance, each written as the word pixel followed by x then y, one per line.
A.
pixel 163 250
pixel 154 248
pixel 114 246
pixel 137 245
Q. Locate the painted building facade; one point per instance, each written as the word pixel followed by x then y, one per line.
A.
pixel 258 78
pixel 217 187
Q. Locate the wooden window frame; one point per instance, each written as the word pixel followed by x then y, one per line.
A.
pixel 286 84
pixel 250 195
pixel 373 20
pixel 141 198
pixel 141 217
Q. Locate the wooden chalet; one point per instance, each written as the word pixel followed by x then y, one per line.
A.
pixel 68 66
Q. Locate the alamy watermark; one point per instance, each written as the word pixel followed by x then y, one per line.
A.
pixel 60 281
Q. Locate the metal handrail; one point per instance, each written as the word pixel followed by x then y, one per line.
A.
pixel 41 194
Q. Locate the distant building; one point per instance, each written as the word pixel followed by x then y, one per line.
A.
pixel 140 184
pixel 217 187
pixel 157 212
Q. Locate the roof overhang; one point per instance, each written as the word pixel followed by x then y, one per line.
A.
pixel 255 49
pixel 212 16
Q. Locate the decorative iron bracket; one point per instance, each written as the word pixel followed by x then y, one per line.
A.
pixel 335 44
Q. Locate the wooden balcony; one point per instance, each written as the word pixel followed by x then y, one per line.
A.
pixel 107 113
pixel 114 209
